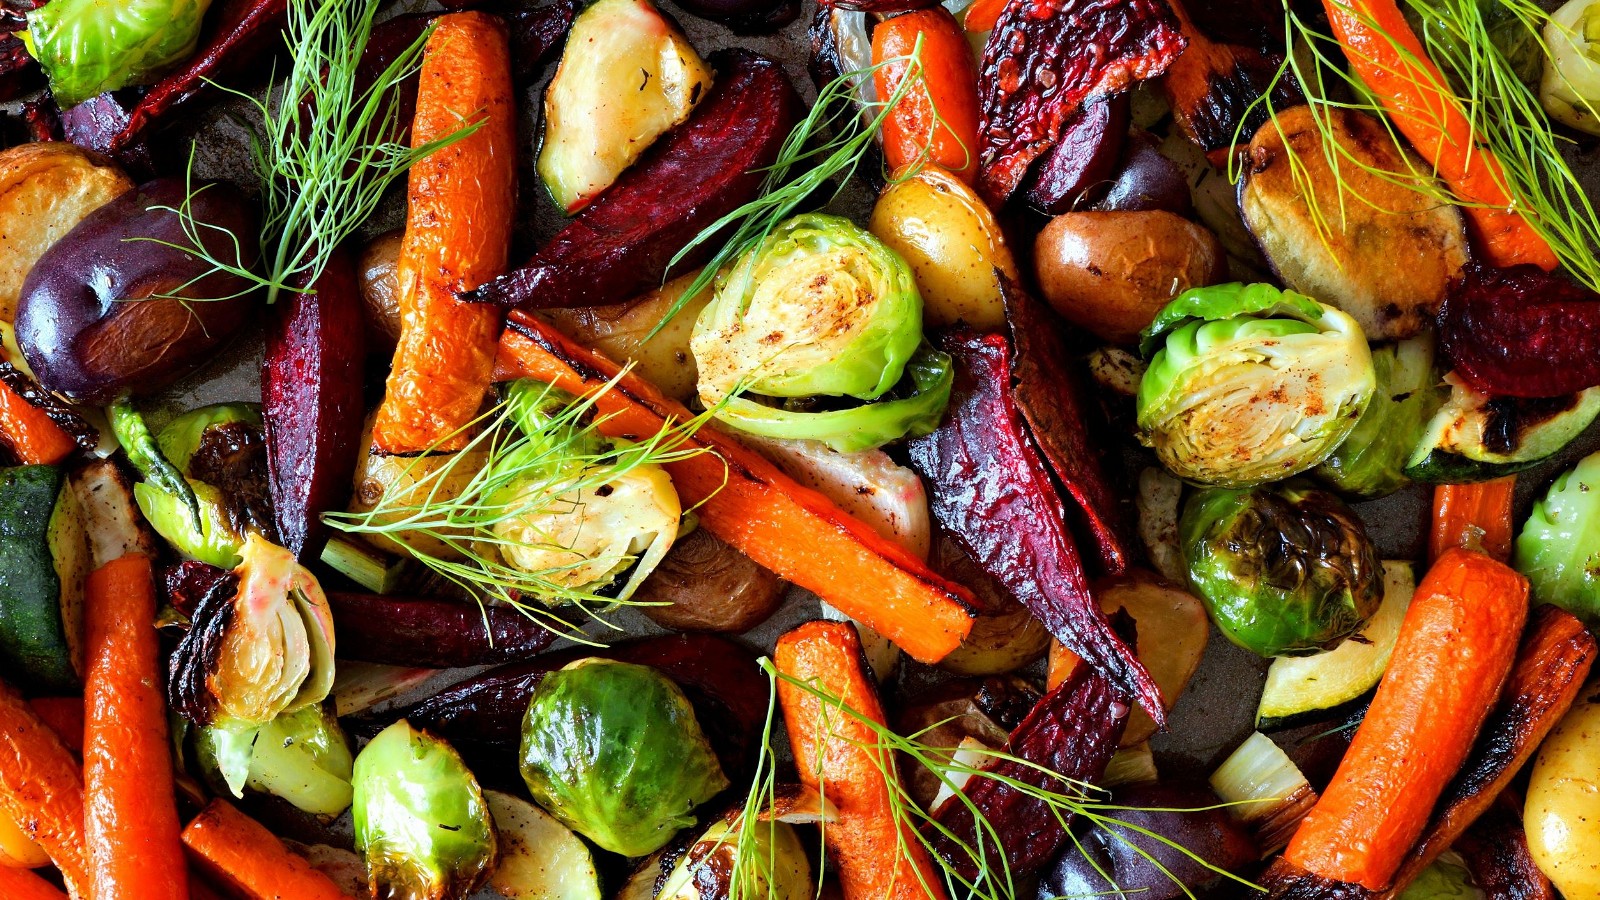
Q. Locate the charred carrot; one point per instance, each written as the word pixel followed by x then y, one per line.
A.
pixel 20 884
pixel 1385 53
pixel 64 715
pixel 938 119
pixel 1060 666
pixel 749 503
pixel 982 15
pixel 130 814
pixel 246 858
pixel 41 789
pixel 30 432
pixel 1474 516
pixel 836 754
pixel 458 232
pixel 1454 653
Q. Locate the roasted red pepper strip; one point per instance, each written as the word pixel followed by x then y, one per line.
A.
pixel 1072 732
pixel 991 490
pixel 1038 68
pixel 1521 332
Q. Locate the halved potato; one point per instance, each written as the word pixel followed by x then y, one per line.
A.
pixel 1384 252
pixel 619 333
pixel 46 189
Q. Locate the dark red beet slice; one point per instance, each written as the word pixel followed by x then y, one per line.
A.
pixel 621 244
pixel 1521 332
pixel 432 632
pixel 1086 156
pixel 311 403
pixel 1036 72
pixel 991 489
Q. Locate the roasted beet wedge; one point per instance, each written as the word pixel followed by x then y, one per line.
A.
pixel 992 490
pixel 1072 732
pixel 1083 159
pixel 311 403
pixel 432 632
pixel 1216 86
pixel 1521 332
pixel 621 244
pixel 1038 69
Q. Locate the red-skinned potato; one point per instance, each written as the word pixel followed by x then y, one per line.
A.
pixel 92 320
pixel 707 585
pixel 1111 272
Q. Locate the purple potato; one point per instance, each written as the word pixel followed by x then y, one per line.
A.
pixel 1146 181
pixel 115 306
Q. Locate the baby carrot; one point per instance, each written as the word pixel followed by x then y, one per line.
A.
pixel 1474 516
pixel 41 789
pixel 21 884
pixel 247 859
pixel 939 117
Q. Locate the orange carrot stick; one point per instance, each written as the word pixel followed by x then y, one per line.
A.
pixel 1455 650
pixel 458 233
pixel 21 884
pixel 983 15
pixel 1384 51
pixel 131 815
pixel 1474 516
pixel 749 503
pixel 41 789
pixel 64 715
pixel 877 856
pixel 949 86
pixel 247 859
pixel 32 435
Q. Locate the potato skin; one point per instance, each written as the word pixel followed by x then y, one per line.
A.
pixel 1562 813
pixel 618 331
pixel 711 587
pixel 380 288
pixel 953 244
pixel 1111 272
pixel 46 189
pixel 1388 259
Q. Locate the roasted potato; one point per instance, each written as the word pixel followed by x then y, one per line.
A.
pixel 619 332
pixel 1383 251
pixel 380 291
pixel 1562 815
pixel 401 481
pixel 1004 637
pixel 953 244
pixel 46 189
pixel 1111 272
pixel 709 586
pixel 985 709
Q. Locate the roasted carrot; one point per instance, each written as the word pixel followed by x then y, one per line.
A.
pixel 20 884
pixel 877 856
pixel 1385 53
pixel 1474 516
pixel 982 15
pixel 64 715
pixel 1454 652
pixel 41 789
pixel 130 812
pixel 1060 666
pixel 32 435
pixel 239 854
pixel 458 232
pixel 751 504
pixel 938 119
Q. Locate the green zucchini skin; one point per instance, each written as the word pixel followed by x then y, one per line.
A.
pixel 33 642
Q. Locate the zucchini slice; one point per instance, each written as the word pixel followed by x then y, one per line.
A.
pixel 1300 686
pixel 1475 437
pixel 44 559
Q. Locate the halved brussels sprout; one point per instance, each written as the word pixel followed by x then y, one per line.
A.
pixel 181 437
pixel 219 537
pixel 261 652
pixel 301 756
pixel 1285 570
pixel 1371 462
pixel 1249 384
pixel 821 308
pixel 215 542
pixel 772 864
pixel 421 823
pixel 613 750
pixel 89 46
pixel 1558 548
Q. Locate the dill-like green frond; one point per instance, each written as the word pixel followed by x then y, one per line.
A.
pixel 511 475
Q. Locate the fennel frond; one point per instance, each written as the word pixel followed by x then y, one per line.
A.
pixel 505 476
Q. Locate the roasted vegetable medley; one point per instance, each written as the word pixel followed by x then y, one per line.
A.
pixel 789 449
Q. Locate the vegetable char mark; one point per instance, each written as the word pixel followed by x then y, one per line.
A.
pixel 994 493
pixel 1044 59
pixel 1216 86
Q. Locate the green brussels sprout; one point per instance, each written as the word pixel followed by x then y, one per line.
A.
pixel 821 308
pixel 613 751
pixel 217 541
pixel 1285 570
pixel 858 428
pixel 545 415
pixel 88 47
pixel 1558 548
pixel 1249 384
pixel 421 823
pixel 301 756
pixel 1371 462
pixel 771 863
pixel 180 438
